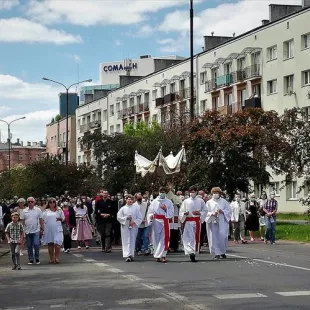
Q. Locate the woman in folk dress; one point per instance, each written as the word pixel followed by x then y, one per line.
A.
pixel 83 231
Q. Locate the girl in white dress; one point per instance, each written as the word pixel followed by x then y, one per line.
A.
pixel 53 217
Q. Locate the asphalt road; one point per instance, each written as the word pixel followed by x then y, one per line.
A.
pixel 254 276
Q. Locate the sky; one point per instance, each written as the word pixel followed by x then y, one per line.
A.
pixel 67 39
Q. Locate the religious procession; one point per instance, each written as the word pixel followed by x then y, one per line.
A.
pixel 146 223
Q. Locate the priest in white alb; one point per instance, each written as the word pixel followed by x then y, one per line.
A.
pixel 192 213
pixel 159 213
pixel 130 219
pixel 217 219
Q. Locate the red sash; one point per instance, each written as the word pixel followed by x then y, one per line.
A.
pixel 197 235
pixel 166 229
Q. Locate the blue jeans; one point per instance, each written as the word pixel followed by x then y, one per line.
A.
pixel 143 239
pixel 33 242
pixel 270 232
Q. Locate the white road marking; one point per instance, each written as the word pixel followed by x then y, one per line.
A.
pixel 96 304
pixel 114 270
pixel 270 262
pixel 240 296
pixel 90 260
pixel 77 255
pixel 20 308
pixel 132 278
pixel 296 293
pixel 175 296
pixel 152 286
pixel 101 265
pixel 141 301
pixel 57 306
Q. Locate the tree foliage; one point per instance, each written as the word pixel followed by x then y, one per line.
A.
pixel 48 176
pixel 231 151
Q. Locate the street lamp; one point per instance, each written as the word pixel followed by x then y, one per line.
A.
pixel 191 34
pixel 9 137
pixel 67 110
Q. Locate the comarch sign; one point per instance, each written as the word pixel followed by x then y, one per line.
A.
pixel 120 67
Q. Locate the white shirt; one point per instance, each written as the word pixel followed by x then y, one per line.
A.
pixel 143 209
pixel 31 218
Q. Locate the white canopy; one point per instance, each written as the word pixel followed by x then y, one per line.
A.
pixel 160 165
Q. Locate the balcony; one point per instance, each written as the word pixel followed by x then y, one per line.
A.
pixel 159 101
pixel 169 98
pixel 84 127
pixel 62 145
pixel 230 109
pixel 238 76
pixel 255 102
pixel 94 124
pixel 137 109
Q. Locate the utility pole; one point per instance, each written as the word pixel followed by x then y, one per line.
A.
pixel 9 138
pixel 191 32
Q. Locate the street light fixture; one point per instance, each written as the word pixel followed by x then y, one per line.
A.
pixel 67 109
pixel 9 137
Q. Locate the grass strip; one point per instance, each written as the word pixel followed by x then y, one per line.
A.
pixel 293 232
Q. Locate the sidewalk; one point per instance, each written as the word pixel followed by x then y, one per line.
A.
pixel 4 248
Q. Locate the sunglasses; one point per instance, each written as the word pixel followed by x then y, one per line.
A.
pixel 52 201
pixel 31 201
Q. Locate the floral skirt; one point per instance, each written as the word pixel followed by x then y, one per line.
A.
pixel 83 230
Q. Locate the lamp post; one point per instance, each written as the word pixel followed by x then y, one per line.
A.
pixel 67 110
pixel 9 137
pixel 191 34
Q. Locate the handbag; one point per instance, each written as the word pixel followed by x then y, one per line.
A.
pixel 65 229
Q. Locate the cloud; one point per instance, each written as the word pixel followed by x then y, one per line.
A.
pixel 145 31
pixel 76 58
pixel 118 43
pixel 224 19
pixel 95 12
pixel 22 30
pixel 33 128
pixel 12 87
pixel 37 101
pixel 8 4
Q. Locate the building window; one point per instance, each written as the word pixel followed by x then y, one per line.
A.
pixel 138 100
pixel 79 159
pixel 125 104
pixel 292 190
pixel 307 113
pixel 132 101
pixel 105 132
pixel 99 117
pixel 272 87
pixel 272 53
pixel 305 41
pixel 163 91
pixel 288 49
pixel 306 77
pixel 154 94
pixel 118 128
pixel 203 77
pixel 154 118
pixel 111 129
pixel 228 99
pixel 20 157
pixel 112 110
pixel 30 158
pixel 289 84
pixel 203 106
pixel 118 106
pixel 172 88
pixel 147 97
pixel 105 115
pixel 275 187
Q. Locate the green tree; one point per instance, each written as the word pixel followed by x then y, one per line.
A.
pixel 58 117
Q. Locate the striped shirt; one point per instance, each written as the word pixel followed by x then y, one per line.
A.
pixel 271 205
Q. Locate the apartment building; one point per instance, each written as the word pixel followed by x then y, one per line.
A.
pixel 56 139
pixel 20 154
pixel 266 67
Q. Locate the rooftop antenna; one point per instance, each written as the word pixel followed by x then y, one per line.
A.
pixel 212 33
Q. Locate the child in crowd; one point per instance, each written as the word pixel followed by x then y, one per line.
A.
pixel 15 234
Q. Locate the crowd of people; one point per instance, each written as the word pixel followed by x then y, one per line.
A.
pixel 142 223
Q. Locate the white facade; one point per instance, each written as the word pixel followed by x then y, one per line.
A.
pixel 109 72
pixel 271 62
